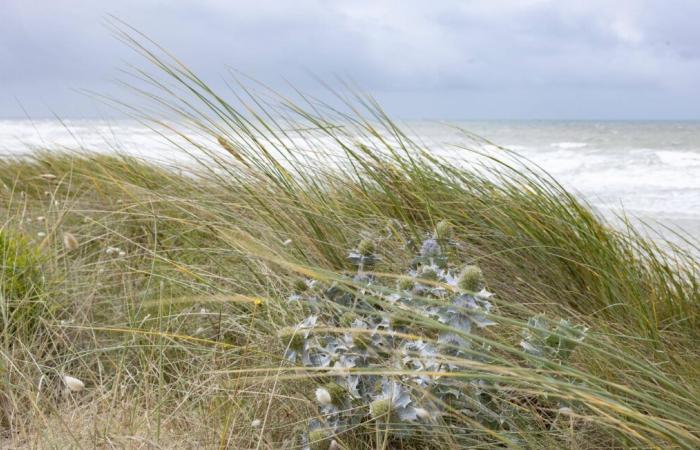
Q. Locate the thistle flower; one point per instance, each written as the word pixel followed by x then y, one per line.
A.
pixel 364 254
pixel 430 248
pixel 318 440
pixel 443 230
pixel 73 384
pixel 380 408
pixel 471 279
pixel 69 241
pixel 393 403
pixel 366 247
pixel 336 392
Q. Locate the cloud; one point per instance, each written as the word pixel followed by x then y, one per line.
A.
pixel 636 51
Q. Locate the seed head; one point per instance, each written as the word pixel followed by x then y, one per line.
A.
pixel 336 392
pixel 366 247
pixel 318 440
pixel 422 413
pixel 471 279
pixel 380 408
pixel 73 384
pixel 443 230
pixel 70 242
pixel 229 147
pixel 323 396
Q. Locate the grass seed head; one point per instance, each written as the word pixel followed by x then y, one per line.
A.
pixel 73 384
pixel 70 242
pixel 422 413
pixel 323 397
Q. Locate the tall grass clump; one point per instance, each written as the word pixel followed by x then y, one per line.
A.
pixel 313 277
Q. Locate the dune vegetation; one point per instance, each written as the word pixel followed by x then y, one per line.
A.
pixel 314 277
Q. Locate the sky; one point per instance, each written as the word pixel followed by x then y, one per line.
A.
pixel 439 59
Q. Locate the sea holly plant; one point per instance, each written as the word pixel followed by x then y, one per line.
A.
pixel 421 327
pixel 555 345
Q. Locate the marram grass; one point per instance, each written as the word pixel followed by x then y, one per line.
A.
pixel 181 306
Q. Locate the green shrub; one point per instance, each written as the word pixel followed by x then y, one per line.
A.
pixel 21 284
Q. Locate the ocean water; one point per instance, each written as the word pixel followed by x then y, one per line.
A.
pixel 650 170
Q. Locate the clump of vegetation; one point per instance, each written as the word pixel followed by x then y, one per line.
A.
pixel 21 284
pixel 431 353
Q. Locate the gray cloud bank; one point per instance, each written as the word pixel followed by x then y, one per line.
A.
pixel 524 59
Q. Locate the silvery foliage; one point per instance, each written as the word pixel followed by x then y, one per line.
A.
pixel 420 394
pixel 552 345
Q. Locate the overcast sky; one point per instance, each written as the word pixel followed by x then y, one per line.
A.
pixel 521 59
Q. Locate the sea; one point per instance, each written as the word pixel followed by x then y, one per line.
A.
pixel 650 171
